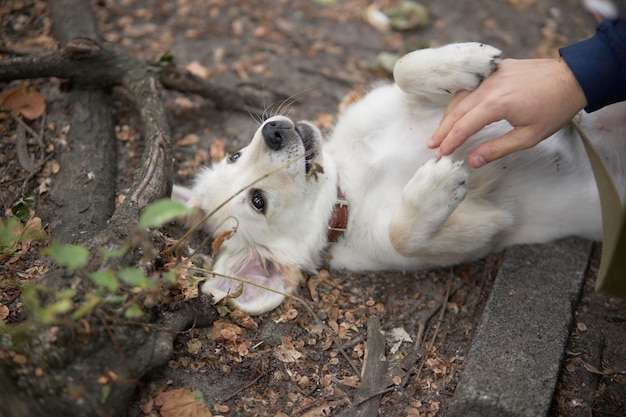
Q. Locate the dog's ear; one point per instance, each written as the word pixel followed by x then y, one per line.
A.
pixel 253 268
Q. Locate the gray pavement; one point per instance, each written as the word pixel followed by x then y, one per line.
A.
pixel 514 362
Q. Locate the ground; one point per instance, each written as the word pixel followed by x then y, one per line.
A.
pixel 312 53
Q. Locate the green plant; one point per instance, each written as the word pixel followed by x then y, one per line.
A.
pixel 108 277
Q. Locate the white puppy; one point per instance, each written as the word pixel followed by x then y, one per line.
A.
pixel 375 177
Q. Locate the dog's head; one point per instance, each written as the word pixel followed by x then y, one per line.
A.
pixel 270 204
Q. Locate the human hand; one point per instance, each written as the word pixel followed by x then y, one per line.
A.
pixel 536 96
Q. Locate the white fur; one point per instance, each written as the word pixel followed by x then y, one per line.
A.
pixel 407 210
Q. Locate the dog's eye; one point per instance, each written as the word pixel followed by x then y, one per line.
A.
pixel 234 157
pixel 257 200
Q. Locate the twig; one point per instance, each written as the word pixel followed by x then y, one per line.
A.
pixel 374 371
pixel 21 148
pixel 442 307
pixel 245 387
pixel 119 350
pixel 444 301
pixel 26 126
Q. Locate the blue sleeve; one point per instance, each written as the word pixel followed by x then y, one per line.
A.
pixel 599 64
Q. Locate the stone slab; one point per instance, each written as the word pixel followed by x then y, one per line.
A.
pixel 513 364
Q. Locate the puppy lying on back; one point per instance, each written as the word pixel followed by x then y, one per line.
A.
pixel 373 197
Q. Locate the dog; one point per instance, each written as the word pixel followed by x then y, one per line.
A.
pixel 374 197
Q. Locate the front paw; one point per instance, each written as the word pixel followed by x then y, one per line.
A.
pixel 438 184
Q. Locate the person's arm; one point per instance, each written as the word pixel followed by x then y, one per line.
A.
pixel 537 97
pixel 599 64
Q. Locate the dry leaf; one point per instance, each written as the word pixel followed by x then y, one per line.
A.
pixel 4 311
pixel 181 403
pixel 217 243
pixel 325 121
pixel 244 320
pixel 194 346
pixel 221 408
pixel 25 101
pixel 224 330
pixel 396 337
pixel 321 411
pixel 351 381
pixel 286 351
pixel 190 139
pixel 198 69
pixel 217 150
pixel 353 96
pixel 589 367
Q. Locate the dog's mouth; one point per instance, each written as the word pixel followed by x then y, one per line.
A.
pixel 307 136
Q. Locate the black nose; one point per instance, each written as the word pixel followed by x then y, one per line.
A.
pixel 276 133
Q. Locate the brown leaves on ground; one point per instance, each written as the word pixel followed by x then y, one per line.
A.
pixel 231 336
pixel 24 101
pixel 181 403
pixel 286 352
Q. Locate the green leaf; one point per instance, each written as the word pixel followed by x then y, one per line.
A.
pixel 104 393
pixel 114 299
pixel 91 303
pixel 10 231
pixel 70 256
pixel 21 209
pixel 235 294
pixel 135 278
pixel 199 396
pixel 166 56
pixel 169 276
pixel 106 279
pixel 161 212
pixel 133 312
pixel 222 310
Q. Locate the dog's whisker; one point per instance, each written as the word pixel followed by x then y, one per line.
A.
pixel 283 107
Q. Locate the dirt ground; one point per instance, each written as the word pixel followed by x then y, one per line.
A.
pixel 312 53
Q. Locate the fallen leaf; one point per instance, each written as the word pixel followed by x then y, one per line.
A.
pixel 225 331
pixel 181 403
pixel 396 337
pixel 190 139
pixel 217 243
pixel 320 411
pixel 4 311
pixel 244 320
pixel 589 367
pixel 217 150
pixel 286 352
pixel 25 101
pixel 194 346
pixel 196 68
pixel 351 381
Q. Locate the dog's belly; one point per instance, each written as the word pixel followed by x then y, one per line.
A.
pixel 548 191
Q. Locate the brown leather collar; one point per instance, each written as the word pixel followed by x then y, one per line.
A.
pixel 339 220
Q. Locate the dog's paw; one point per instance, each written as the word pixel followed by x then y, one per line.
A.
pixel 443 71
pixel 438 185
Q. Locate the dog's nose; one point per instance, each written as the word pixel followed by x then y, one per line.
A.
pixel 276 133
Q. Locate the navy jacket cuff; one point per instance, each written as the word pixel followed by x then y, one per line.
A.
pixel 599 65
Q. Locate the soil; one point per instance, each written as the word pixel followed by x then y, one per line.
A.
pixel 294 360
